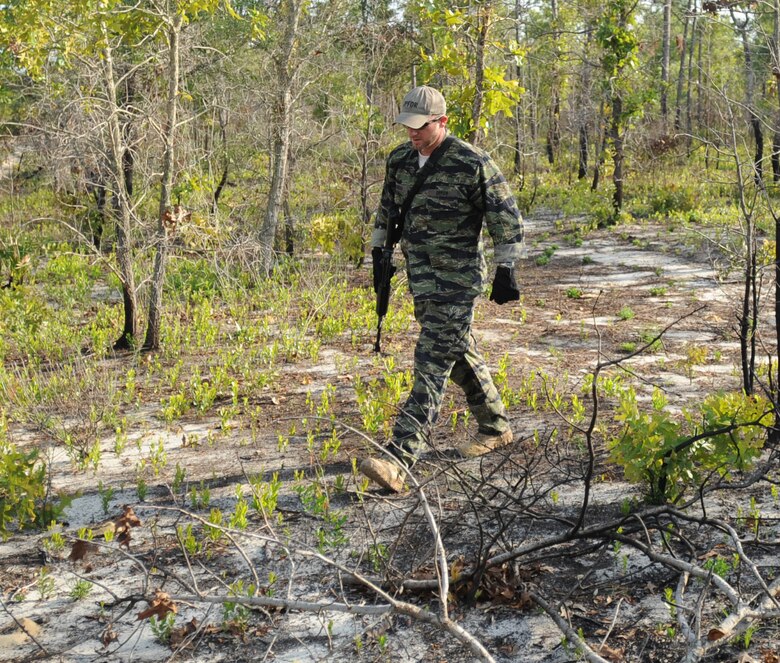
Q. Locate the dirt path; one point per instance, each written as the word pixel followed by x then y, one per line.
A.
pixel 601 293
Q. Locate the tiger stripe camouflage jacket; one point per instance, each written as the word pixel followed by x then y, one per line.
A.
pixel 442 233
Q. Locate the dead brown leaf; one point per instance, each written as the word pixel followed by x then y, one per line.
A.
pixel 127 520
pixel 715 634
pixel 123 538
pixel 611 654
pixel 108 636
pixel 81 549
pixel 179 635
pixel 768 656
pixel 160 606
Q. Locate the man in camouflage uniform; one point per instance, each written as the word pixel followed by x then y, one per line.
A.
pixel 442 243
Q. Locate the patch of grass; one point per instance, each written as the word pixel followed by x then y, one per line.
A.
pixel 658 291
pixel 574 293
pixel 626 313
pixel 546 255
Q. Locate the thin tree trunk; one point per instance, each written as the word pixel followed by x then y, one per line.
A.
pixel 519 113
pixel 665 58
pixel 223 121
pixel 283 120
pixel 616 137
pixel 776 134
pixel 681 75
pixel 582 168
pixel 168 218
pixel 121 205
pixel 553 127
pixel 689 83
pixel 750 85
pixel 584 112
pixel 474 135
pixel 601 149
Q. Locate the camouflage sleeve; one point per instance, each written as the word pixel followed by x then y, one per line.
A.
pixel 502 216
pixel 387 208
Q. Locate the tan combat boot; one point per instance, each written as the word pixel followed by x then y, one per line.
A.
pixel 384 472
pixel 484 443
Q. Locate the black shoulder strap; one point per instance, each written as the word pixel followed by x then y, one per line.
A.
pixel 429 165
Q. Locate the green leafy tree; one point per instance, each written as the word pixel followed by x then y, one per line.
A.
pixel 469 58
pixel 619 45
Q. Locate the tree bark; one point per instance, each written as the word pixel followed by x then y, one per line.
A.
pixel 681 74
pixel 665 58
pixel 474 135
pixel 281 141
pixel 582 168
pixel 616 137
pixel 166 217
pixel 689 83
pixel 750 86
pixel 553 126
pixel 121 206
pixel 223 121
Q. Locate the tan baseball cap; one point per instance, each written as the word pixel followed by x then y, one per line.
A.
pixel 421 105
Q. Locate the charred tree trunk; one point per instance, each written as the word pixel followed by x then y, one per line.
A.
pixel 582 168
pixel 223 121
pixel 121 202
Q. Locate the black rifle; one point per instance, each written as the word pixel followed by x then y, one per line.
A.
pixel 394 232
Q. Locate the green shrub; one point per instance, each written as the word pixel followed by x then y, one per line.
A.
pixel 23 488
pixel 339 233
pixel 188 278
pixel 673 198
pixel 664 453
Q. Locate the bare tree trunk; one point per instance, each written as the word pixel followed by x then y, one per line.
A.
pixel 750 86
pixel 600 149
pixel 665 57
pixel 584 118
pixel 775 393
pixel 121 206
pixel 689 82
pixel 553 127
pixel 289 221
pixel 775 53
pixel 748 316
pixel 681 74
pixel 519 113
pixel 474 135
pixel 282 128
pixel 616 137
pixel 167 217
pixel 128 156
pixel 582 167
pixel 223 122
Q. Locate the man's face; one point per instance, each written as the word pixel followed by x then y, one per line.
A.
pixel 427 137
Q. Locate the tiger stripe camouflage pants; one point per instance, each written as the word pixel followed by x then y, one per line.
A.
pixel 445 349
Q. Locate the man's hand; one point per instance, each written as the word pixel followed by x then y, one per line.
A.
pixel 504 286
pixel 377 258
